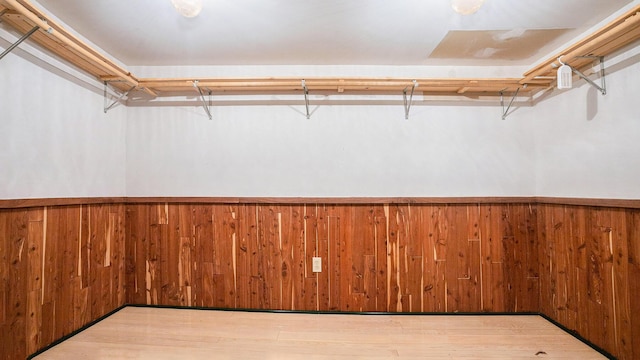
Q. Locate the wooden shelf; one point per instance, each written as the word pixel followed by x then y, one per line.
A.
pixel 337 85
pixel 617 34
pixel 23 16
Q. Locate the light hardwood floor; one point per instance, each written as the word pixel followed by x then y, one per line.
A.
pixel 151 333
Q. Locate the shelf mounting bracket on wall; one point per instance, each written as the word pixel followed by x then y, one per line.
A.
pixel 205 106
pixel 116 101
pixel 23 38
pixel 505 112
pixel 603 86
pixel 306 97
pixel 407 104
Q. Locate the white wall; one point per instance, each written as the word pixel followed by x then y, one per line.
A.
pixel 342 150
pixel 55 140
pixel 574 143
pixel 587 144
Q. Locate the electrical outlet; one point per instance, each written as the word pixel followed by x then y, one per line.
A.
pixel 317 264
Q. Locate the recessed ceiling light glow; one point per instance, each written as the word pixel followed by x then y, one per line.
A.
pixel 188 8
pixel 466 7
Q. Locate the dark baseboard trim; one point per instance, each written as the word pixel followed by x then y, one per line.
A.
pixel 532 200
pixel 332 312
pixel 76 332
pixel 579 337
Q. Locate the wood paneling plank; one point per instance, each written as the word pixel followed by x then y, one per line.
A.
pixel 50 258
pixel 595 272
pixel 17 292
pixel 47 330
pixel 255 261
pixel 561 241
pixel 305 280
pixel 380 238
pixel 405 276
pixel 347 278
pixel 272 259
pixel 608 301
pixel 531 302
pixel 81 314
pixel 457 258
pixel 34 244
pixel 246 233
pixel 620 291
pixel 133 276
pixel 224 226
pixel 414 289
pixel 429 297
pixel 633 243
pixel 259 267
pixel 441 229
pixel 34 322
pixel 208 294
pixel 370 290
pixel 498 266
pixel 545 240
pixel 5 281
pixel 359 230
pixel 170 235
pixel 394 291
pixel 295 238
pixel 335 254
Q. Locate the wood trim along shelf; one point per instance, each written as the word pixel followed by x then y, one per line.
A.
pixel 27 203
pixel 614 203
pixel 333 200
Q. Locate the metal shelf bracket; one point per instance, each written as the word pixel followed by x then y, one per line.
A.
pixel 306 97
pixel 505 112
pixel 407 104
pixel 603 86
pixel 205 106
pixel 107 106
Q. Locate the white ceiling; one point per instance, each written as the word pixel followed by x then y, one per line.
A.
pixel 329 32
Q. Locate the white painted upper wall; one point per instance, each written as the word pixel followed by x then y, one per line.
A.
pixel 587 144
pixel 575 143
pixel 55 140
pixel 341 151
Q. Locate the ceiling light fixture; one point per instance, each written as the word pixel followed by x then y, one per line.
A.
pixel 466 7
pixel 188 8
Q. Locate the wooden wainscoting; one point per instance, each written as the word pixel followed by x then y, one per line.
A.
pixel 409 258
pixel 60 268
pixel 590 274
